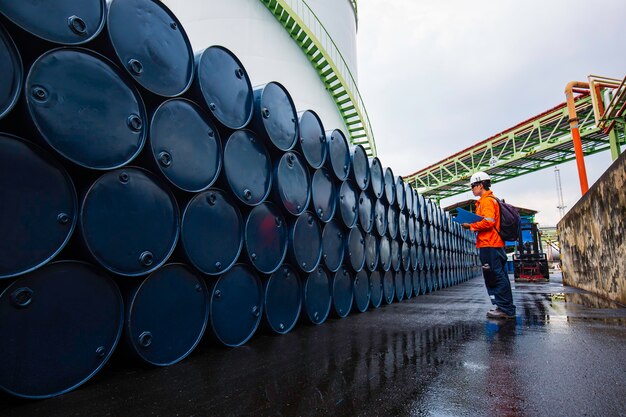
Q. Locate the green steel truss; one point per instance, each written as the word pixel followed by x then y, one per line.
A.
pixel 307 30
pixel 538 143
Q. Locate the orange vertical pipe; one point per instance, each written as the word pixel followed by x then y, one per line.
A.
pixel 573 124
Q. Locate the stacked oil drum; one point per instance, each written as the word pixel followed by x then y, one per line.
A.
pixel 148 194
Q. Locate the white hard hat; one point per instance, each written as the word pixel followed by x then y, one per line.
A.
pixel 478 177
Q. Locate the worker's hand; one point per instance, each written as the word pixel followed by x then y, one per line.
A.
pixel 465 225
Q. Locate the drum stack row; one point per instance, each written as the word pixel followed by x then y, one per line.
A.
pixel 149 194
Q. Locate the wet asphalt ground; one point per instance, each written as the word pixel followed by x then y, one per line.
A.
pixel 434 355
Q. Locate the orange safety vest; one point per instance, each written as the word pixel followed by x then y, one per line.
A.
pixel 488 236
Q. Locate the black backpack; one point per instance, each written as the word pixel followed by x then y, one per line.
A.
pixel 510 221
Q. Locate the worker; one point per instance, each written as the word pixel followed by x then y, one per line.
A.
pixel 491 247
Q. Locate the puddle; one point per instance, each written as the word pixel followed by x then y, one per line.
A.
pixel 586 300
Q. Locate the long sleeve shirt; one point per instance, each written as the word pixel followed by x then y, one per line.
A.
pixel 488 208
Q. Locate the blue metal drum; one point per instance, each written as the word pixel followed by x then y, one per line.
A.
pixel 275 116
pixel 118 230
pixel 408 193
pixel 266 237
pixel 376 288
pixel 423 281
pixel 408 284
pixel 366 211
pixel 405 254
pixel 393 218
pixel 342 292
pixel 412 230
pixel 415 277
pixel 355 249
pixel 398 280
pixel 236 305
pixel 377 178
pixel 323 195
pixel 423 211
pixel 316 299
pixel 282 300
pixel 291 185
pixel 305 242
pixel 396 255
pixel 403 226
pixel 390 187
pixel 39 207
pixel 371 252
pixel 433 236
pixel 419 238
pixel 426 234
pixel 185 145
pixel 430 216
pixel 85 108
pixel 413 256
pixel 428 258
pixel 211 232
pixel 247 167
pixel 347 204
pixel 400 193
pixel 166 315
pixel 443 277
pixel 338 160
pixel 359 167
pixel 416 204
pixel 420 258
pixel 361 291
pixel 223 85
pixel 436 256
pixel 151 45
pixel 11 70
pixel 68 22
pixel 443 258
pixel 312 141
pixel 385 253
pixel 380 217
pixel 59 326
pixel 440 218
pixel 332 245
pixel 389 287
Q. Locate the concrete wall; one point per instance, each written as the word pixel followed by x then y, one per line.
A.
pixel 593 237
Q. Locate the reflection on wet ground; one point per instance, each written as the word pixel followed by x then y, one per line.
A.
pixel 434 355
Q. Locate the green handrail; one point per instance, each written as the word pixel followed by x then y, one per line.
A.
pixel 307 30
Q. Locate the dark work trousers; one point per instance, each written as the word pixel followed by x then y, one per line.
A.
pixel 500 293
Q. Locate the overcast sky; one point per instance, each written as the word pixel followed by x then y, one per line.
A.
pixel 439 76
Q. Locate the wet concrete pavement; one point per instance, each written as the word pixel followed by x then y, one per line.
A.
pixel 434 355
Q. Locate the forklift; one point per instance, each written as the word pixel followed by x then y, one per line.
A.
pixel 530 263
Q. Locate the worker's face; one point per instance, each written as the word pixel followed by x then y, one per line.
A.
pixel 477 189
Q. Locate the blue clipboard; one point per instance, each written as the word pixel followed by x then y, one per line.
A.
pixel 464 216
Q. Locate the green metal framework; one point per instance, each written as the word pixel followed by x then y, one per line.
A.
pixel 535 144
pixel 310 34
pixel 355 7
pixel 612 119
